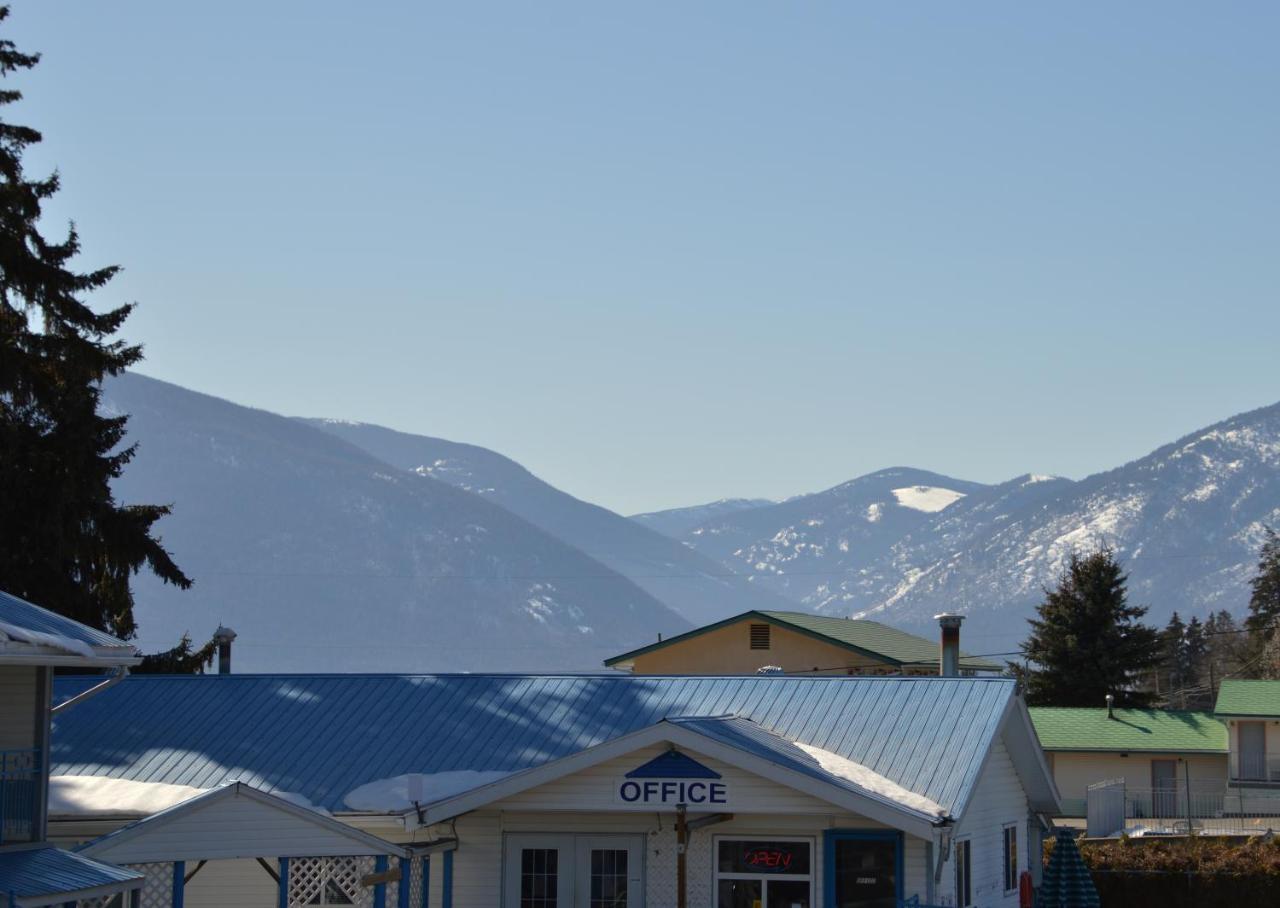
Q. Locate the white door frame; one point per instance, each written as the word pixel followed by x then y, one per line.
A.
pixel 573 864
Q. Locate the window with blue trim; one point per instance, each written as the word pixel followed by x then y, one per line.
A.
pixel 764 873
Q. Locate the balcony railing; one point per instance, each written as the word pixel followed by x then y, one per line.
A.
pixel 1255 768
pixel 21 787
pixel 1207 809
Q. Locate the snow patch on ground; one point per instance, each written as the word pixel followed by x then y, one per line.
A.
pixel 929 499
pixel 40 638
pixel 870 780
pixel 101 795
pixel 399 792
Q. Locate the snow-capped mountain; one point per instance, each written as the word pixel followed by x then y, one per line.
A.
pixel 1187 520
pixel 699 588
pixel 323 557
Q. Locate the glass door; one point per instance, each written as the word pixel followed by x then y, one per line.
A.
pixel 573 871
pixel 608 869
pixel 539 871
pixel 764 873
pixel 864 871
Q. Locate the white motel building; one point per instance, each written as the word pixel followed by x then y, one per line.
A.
pixel 513 791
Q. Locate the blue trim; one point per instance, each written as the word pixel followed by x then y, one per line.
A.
pixel 426 881
pixel 283 900
pixel 406 871
pixel 672 764
pixel 829 839
pixel 179 886
pixel 380 890
pixel 446 882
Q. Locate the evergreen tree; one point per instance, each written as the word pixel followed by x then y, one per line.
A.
pixel 1264 603
pixel 1224 643
pixel 1087 641
pixel 64 541
pixel 1199 694
pixel 180 660
pixel 1171 676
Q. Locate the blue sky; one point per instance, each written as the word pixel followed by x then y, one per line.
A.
pixel 668 252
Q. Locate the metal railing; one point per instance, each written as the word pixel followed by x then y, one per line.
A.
pixel 1255 768
pixel 1207 809
pixel 21 787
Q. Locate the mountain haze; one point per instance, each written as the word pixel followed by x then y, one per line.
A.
pixel 701 589
pixel 323 557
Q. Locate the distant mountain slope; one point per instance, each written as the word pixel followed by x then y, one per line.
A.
pixel 1187 520
pixel 701 589
pixel 675 522
pixel 323 557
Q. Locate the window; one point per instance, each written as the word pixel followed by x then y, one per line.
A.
pixel 764 873
pixel 539 877
pixel 609 877
pixel 1010 858
pixel 759 636
pixel 964 890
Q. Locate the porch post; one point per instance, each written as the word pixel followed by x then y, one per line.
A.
pixel 406 877
pixel 283 901
pixel 380 890
pixel 446 882
pixel 426 881
pixel 179 884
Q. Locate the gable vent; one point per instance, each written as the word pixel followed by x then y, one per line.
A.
pixel 759 636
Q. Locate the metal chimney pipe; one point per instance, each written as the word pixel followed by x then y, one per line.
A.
pixel 223 637
pixel 949 660
pixel 1110 700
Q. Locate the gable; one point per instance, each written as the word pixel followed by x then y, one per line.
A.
pixel 728 649
pixel 233 822
pixel 597 789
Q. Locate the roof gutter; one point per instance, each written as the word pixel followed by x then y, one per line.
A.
pixel 117 676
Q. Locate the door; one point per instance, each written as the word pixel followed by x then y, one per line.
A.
pixel 1253 751
pixel 1164 788
pixel 573 871
pixel 865 872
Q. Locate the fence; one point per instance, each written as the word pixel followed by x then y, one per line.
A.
pixel 20 791
pixel 1114 808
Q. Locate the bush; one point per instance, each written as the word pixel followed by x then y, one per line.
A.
pixel 1178 872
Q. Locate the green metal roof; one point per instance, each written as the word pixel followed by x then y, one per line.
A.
pixel 1248 698
pixel 1161 730
pixel 871 638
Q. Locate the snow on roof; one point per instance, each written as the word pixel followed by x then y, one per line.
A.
pixel 871 780
pixel 27 624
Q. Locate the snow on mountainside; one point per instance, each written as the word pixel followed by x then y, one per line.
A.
pixel 323 557
pixel 678 521
pixel 699 588
pixel 1187 520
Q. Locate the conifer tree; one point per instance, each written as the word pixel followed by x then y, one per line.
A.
pixel 64 541
pixel 1172 673
pixel 1196 656
pixel 1087 641
pixel 1264 603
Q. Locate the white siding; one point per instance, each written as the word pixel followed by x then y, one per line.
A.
pixel 477 878
pixel 999 799
pixel 222 884
pixel 19 692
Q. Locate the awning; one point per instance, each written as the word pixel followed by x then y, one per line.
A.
pixel 44 875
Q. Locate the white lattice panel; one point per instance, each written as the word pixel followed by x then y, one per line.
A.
pixel 308 878
pixel 415 882
pixel 157 888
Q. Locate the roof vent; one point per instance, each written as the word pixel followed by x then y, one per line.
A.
pixel 1110 700
pixel 949 661
pixel 759 636
pixel 223 637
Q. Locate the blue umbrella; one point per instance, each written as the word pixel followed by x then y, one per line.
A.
pixel 1067 883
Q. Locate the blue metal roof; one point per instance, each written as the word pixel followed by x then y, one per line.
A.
pixel 322 736
pixel 32 873
pixel 22 614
